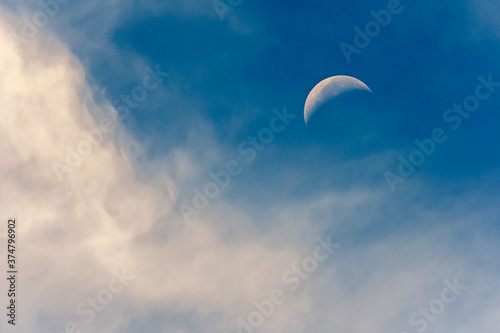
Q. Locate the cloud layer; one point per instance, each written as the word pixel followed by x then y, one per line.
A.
pixel 118 209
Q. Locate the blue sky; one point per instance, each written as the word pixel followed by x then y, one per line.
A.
pixel 228 78
pixel 427 59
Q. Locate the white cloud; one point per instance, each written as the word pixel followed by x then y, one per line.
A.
pixel 106 215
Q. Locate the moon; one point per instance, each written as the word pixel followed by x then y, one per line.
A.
pixel 329 90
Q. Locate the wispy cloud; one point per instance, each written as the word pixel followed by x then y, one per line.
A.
pixel 120 210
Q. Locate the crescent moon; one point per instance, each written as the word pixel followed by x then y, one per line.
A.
pixel 330 89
